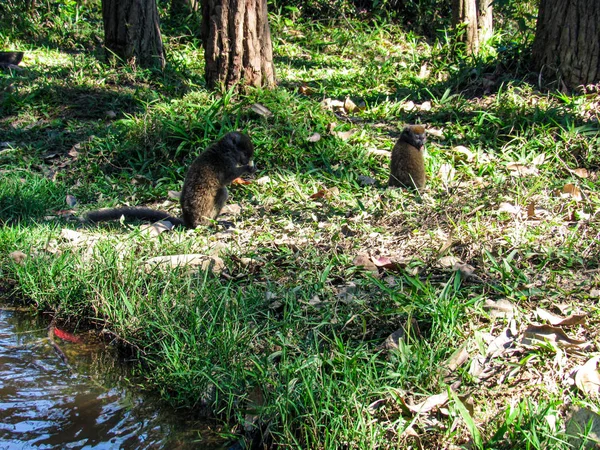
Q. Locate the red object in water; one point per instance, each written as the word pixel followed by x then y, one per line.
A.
pixel 65 336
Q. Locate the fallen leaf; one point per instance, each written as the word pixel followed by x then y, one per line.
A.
pixel 552 319
pixel 457 359
pixel 408 106
pixel 433 401
pixel 156 228
pixel 345 292
pixel 466 270
pixel 315 137
pixel 241 181
pixel 521 170
pixel 365 262
pixel 547 333
pixel 232 209
pixel 326 193
pixel 463 153
pixel 343 135
pixel 581 172
pixel 500 344
pixel 305 89
pixel 531 210
pixel 392 342
pixel 499 308
pixel 448 261
pixel 570 190
pixel 349 105
pixel 539 159
pixel 175 195
pixel 509 208
pixel 212 263
pixel 435 132
pixel 587 378
pixel 447 173
pixel 18 256
pixel 65 335
pixel 263 180
pixel 424 71
pixel 583 428
pixel 377 152
pixel 261 110
pixel 425 106
pixel 595 293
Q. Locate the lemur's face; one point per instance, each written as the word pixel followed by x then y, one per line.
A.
pixel 414 135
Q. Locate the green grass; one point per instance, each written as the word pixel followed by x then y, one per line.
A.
pixel 276 335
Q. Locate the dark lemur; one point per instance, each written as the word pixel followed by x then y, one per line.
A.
pixel 204 190
pixel 407 167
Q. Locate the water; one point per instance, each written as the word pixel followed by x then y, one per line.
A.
pixel 81 399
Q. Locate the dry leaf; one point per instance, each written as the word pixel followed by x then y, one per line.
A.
pixel 448 261
pixel 447 173
pixel 315 137
pixel 18 256
pixel 305 89
pixel 424 72
pixel 433 401
pixel 457 359
pixel 463 153
pixel 425 106
pixel 240 180
pixel 435 132
pixel 570 190
pixel 500 344
pixel 581 172
pixel 174 195
pixel 377 152
pixel 509 208
pixel 365 262
pixel 156 228
pixel 326 193
pixel 392 342
pixel 521 170
pixel 587 378
pixel 539 159
pixel 263 180
pixel 408 106
pixel 583 422
pixel 213 263
pixel 343 135
pixel 531 210
pixel 349 105
pixel 552 319
pixel 466 270
pixel 499 308
pixel 554 335
pixel 232 209
pixel 261 110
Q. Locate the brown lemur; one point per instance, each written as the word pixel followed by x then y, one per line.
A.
pixel 407 167
pixel 204 190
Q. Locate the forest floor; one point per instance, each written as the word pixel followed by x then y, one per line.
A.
pixel 334 312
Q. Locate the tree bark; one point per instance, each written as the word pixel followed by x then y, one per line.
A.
pixel 237 43
pixel 476 17
pixel 567 41
pixel 132 32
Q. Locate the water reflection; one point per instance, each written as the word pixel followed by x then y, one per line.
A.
pixel 46 403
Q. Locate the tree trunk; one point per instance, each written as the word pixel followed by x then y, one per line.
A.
pixel 567 41
pixel 237 43
pixel 476 17
pixel 132 32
